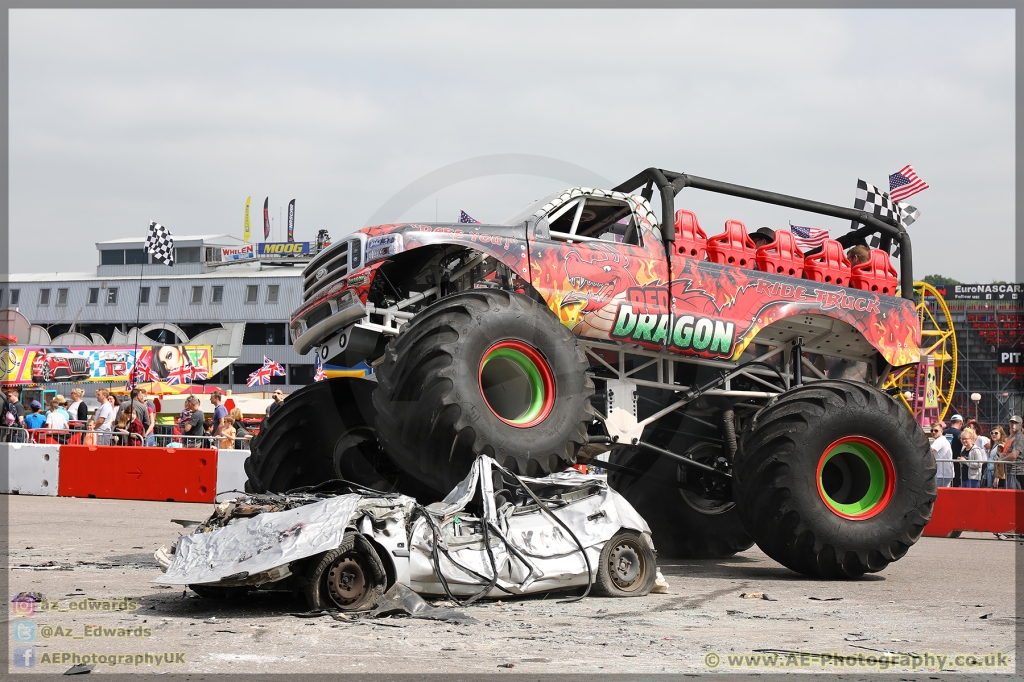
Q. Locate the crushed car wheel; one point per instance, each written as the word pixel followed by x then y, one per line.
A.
pixel 349 578
pixel 834 479
pixel 482 372
pixel 627 567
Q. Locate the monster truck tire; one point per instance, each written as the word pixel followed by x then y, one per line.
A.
pixel 321 432
pixel 834 479
pixel 627 567
pixel 685 525
pixel 482 372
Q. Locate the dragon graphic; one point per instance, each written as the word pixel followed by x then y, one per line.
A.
pixel 596 281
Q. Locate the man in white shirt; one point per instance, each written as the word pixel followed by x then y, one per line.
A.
pixel 104 417
pixel 941 450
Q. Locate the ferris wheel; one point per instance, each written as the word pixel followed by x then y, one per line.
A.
pixel 938 340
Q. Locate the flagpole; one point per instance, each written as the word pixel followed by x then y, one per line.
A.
pixel 133 374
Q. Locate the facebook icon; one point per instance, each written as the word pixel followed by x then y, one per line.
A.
pixel 24 657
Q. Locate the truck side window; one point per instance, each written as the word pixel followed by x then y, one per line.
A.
pixel 595 218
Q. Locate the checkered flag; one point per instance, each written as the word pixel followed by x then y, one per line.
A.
pixel 160 243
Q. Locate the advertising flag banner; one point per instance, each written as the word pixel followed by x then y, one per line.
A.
pixel 266 218
pixel 291 220
pixel 49 364
pixel 238 252
pixel 246 233
pixel 283 248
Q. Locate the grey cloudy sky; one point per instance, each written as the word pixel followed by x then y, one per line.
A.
pixel 118 117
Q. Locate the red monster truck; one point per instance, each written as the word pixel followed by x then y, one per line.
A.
pixel 731 405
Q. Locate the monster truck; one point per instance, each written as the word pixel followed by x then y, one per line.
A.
pixel 731 405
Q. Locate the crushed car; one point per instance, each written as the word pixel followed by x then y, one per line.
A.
pixel 495 534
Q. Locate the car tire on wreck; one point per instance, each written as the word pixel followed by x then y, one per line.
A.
pixel 482 372
pixel 834 479
pixel 321 432
pixel 627 567
pixel 349 578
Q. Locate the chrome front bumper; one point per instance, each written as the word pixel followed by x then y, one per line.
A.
pixel 345 309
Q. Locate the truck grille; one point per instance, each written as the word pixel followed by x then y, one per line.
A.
pixel 334 264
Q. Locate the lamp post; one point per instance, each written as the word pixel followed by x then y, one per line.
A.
pixel 976 398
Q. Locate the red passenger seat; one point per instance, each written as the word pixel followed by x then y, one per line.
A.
pixel 781 257
pixel 876 275
pixel 830 265
pixel 732 247
pixel 690 239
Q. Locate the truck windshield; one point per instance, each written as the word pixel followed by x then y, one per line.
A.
pixel 528 210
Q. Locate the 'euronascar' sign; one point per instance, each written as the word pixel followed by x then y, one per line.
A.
pixel 283 248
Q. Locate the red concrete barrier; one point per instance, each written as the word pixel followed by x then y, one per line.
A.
pixel 974 509
pixel 138 473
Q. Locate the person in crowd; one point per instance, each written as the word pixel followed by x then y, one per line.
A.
pixel 277 397
pixel 57 420
pixel 762 236
pixel 78 410
pixel 242 435
pixel 15 410
pixel 137 400
pixel 225 434
pixel 115 403
pixel 941 450
pixel 91 436
pixel 975 456
pixel 858 254
pixel 151 433
pixel 996 473
pixel 952 433
pixel 1012 449
pixel 35 419
pixel 136 429
pixel 103 417
pixel 195 425
pixel 220 412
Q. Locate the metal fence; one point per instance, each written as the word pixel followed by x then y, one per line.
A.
pixel 77 435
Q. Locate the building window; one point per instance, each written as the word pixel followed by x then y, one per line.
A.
pixel 252 293
pixel 164 296
pixel 1 296
pixel 62 296
pixel 134 257
pixel 15 296
pixel 197 294
pixel 94 296
pixel 143 295
pixel 188 254
pixel 218 295
pixel 112 257
pixel 212 254
pixel 301 375
pixel 44 297
pixel 112 296
pixel 265 334
pixel 272 293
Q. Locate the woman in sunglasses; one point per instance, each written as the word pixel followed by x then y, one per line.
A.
pixel 941 450
pixel 975 456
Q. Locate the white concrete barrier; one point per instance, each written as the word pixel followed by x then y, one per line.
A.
pixel 230 474
pixel 31 469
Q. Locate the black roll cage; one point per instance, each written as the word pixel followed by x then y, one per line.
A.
pixel 670 183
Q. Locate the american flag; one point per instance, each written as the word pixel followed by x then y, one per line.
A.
pixel 905 184
pixel 276 369
pixel 320 373
pixel 808 238
pixel 466 218
pixel 259 377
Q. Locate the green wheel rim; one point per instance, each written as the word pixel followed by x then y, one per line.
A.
pixel 855 477
pixel 537 373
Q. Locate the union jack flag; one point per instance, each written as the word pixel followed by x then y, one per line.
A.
pixel 260 376
pixel 320 374
pixel 274 366
pixel 186 374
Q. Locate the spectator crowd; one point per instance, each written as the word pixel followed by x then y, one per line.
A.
pixel 967 458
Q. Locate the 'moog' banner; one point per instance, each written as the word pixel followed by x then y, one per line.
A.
pixel 171 364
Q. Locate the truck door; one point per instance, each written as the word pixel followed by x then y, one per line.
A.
pixel 597 259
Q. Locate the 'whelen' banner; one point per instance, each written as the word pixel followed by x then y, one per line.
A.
pixel 1011 361
pixel 283 248
pixel 51 364
pixel 238 252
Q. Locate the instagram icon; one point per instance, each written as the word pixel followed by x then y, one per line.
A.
pixel 23 605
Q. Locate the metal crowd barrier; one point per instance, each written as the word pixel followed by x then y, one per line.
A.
pixel 80 436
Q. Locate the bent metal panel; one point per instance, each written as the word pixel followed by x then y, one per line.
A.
pixel 171 364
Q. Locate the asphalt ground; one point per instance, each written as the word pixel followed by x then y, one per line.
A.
pixel 947 597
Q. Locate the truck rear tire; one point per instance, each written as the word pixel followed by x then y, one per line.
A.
pixel 834 479
pixel 482 372
pixel 321 432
